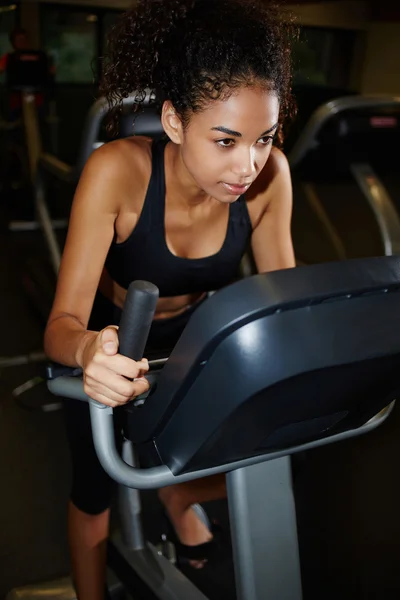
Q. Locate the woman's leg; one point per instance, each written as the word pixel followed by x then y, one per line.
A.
pixel 178 500
pixel 89 507
pixel 88 545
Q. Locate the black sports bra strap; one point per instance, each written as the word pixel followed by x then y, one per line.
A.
pixel 156 191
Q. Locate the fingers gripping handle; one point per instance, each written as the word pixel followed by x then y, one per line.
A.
pixel 134 328
pixel 137 316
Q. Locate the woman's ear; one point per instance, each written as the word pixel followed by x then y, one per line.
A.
pixel 171 123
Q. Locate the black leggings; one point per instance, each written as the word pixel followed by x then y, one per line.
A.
pixel 92 488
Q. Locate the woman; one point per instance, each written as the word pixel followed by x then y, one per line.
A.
pixel 179 213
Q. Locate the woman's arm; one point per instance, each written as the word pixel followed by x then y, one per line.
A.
pixel 90 232
pixel 271 239
pixel 95 209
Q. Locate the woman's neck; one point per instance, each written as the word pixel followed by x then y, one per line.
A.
pixel 179 183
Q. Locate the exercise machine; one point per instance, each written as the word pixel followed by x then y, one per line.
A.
pixel 28 75
pixel 28 80
pixel 345 180
pixel 270 366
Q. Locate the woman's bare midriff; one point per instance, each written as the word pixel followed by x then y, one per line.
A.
pixel 166 307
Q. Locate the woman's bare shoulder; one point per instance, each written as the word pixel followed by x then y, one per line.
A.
pixel 121 168
pixel 128 157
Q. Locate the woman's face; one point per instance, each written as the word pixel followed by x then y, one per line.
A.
pixel 226 145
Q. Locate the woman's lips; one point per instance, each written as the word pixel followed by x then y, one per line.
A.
pixel 235 189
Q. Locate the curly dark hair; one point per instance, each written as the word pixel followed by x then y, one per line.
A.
pixel 194 51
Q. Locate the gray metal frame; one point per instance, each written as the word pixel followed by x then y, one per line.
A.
pixel 34 147
pixel 156 477
pixel 93 123
pixel 308 136
pixel 374 191
pixel 264 531
pixel 320 212
pixel 153 568
pixel 261 506
pixel 384 210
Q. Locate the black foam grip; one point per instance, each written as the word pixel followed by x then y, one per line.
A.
pixel 139 308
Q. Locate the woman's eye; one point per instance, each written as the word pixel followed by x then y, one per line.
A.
pixel 225 143
pixel 229 142
pixel 265 140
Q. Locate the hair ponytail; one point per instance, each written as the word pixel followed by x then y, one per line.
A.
pixel 192 52
pixel 135 44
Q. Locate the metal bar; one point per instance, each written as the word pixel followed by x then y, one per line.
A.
pixel 159 577
pixel 262 516
pixel 383 208
pixel 130 508
pixel 60 169
pixel 308 137
pixel 46 225
pixel 155 477
pixel 22 359
pixel 330 229
pixel 32 134
pixel 157 362
pixel 35 225
pixel 92 126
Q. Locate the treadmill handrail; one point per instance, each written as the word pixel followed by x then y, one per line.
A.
pixel 60 169
pixel 324 112
pixel 68 173
pixel 93 122
pixel 155 477
pixel 379 200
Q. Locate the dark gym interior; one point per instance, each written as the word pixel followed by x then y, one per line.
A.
pixel 348 493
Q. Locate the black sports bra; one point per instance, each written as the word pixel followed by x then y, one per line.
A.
pixel 145 254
